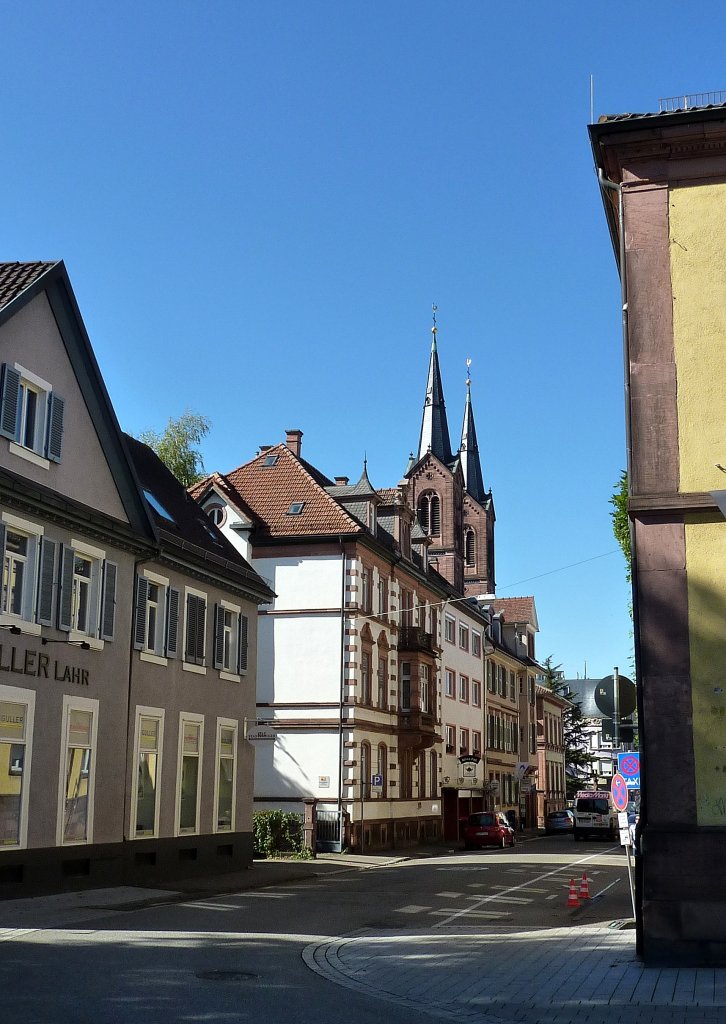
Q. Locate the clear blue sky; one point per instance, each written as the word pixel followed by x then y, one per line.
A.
pixel 258 203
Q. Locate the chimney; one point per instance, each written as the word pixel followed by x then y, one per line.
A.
pixel 264 448
pixel 342 481
pixel 293 440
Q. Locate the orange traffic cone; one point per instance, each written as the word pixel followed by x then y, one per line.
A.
pixel 572 900
pixel 584 888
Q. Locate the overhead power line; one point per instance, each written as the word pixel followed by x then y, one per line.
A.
pixel 562 568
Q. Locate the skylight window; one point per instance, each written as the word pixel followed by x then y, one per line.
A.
pixel 270 460
pixel 296 508
pixel 157 506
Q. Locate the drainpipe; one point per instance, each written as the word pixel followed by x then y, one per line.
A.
pixel 606 183
pixel 342 692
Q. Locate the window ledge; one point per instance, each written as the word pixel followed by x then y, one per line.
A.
pixel 31 628
pixel 230 677
pixel 200 670
pixel 93 641
pixel 153 659
pixel 28 454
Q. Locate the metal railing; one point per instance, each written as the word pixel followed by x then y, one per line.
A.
pixel 668 104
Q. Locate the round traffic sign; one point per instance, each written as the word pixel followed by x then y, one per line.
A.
pixel 619 790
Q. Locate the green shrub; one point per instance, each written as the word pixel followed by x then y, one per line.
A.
pixel 278 833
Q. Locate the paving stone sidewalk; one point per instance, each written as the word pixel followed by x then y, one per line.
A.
pixel 588 975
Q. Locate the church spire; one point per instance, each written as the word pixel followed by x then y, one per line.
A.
pixel 470 464
pixel 434 428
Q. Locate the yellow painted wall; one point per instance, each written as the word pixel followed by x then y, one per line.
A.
pixel 706 562
pixel 697 218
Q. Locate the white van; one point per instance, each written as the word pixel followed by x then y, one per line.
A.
pixel 595 814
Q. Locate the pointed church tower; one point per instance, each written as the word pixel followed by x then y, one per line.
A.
pixel 434 427
pixel 437 483
pixel 478 509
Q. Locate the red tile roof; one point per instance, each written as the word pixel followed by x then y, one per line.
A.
pixel 515 609
pixel 16 277
pixel 270 490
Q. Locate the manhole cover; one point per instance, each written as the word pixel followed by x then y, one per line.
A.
pixel 226 976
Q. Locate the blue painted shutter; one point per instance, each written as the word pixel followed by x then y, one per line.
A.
pixel 108 600
pixel 218 636
pixel 54 439
pixel 66 589
pixel 142 589
pixel 243 630
pixel 172 622
pixel 47 581
pixel 9 402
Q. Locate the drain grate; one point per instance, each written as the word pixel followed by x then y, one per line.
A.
pixel 226 976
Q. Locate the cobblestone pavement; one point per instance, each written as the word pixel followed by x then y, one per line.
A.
pixel 587 975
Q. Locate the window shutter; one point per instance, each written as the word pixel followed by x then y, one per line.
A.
pixel 54 440
pixel 46 581
pixel 9 400
pixel 200 616
pixel 66 589
pixel 243 631
pixel 218 636
pixel 172 622
pixel 142 589
pixel 108 600
pixel 195 630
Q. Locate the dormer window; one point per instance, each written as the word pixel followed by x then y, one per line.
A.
pixel 217 513
pixel 296 508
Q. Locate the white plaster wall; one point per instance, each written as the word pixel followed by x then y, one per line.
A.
pixel 311 582
pixel 293 765
pixel 298 659
pixel 237 539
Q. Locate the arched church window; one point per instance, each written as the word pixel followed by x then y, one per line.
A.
pixel 469 547
pixel 429 513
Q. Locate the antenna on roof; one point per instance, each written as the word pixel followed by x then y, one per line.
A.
pixel 592 99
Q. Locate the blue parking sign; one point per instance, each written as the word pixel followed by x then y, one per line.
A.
pixel 629 768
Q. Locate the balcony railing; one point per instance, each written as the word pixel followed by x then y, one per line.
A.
pixel 413 638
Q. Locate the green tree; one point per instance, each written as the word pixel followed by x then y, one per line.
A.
pixel 178 446
pixel 578 759
pixel 621 521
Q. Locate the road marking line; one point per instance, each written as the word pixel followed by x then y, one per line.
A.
pixel 514 888
pixel 449 895
pixel 552 897
pixel 411 908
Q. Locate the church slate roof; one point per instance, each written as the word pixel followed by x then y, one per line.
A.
pixel 434 436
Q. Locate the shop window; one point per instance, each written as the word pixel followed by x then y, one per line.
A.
pixel 149 732
pixel 226 774
pixel 189 773
pixel 16 730
pixel 80 723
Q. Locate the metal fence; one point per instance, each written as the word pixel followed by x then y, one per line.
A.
pixel 694 99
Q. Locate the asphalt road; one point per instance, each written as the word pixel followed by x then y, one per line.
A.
pixel 238 957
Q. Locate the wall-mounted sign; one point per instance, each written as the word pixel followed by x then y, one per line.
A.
pixel 324 781
pixel 40 665
pixel 260 734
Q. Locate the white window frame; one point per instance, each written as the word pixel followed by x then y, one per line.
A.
pixel 19 695
pixel 450 627
pixel 190 666
pixel 31 381
pixel 236 610
pixel 188 716
pixel 475 643
pixel 72 703
pixel 450 735
pixel 476 691
pixel 450 678
pixel 142 711
pixel 33 532
pixel 156 654
pixel 97 557
pixel 226 723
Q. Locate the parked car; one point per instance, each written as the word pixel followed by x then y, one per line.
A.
pixel 487 828
pixel 559 821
